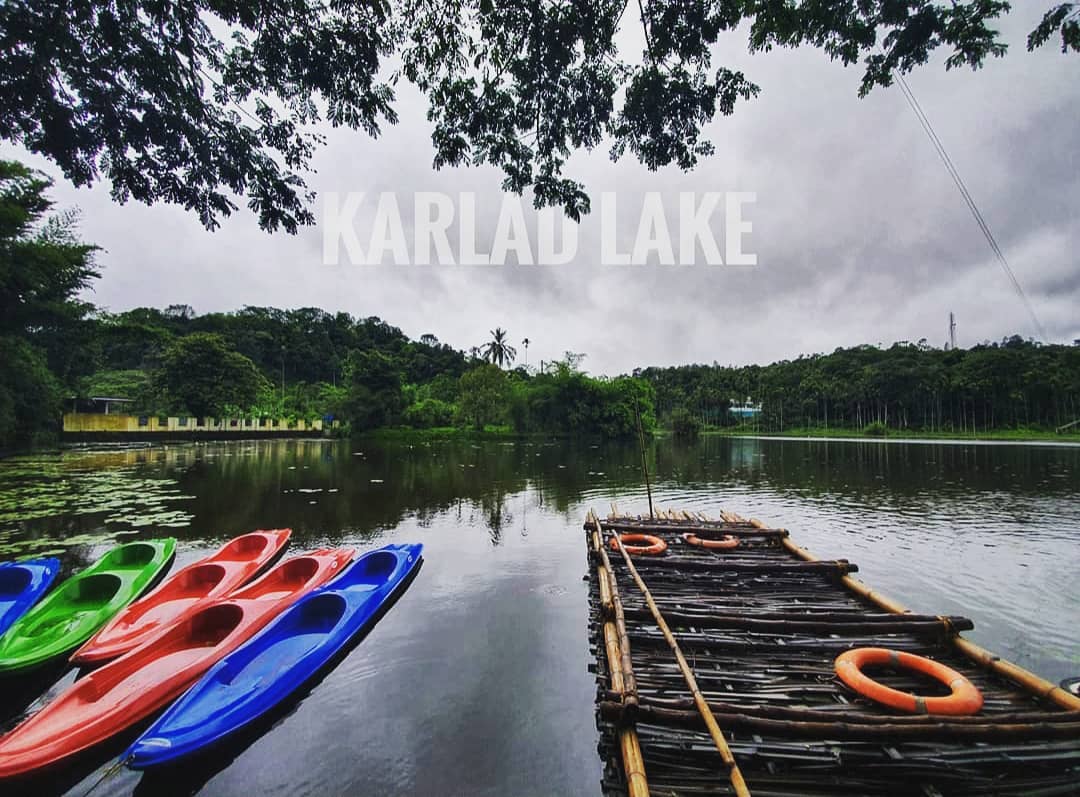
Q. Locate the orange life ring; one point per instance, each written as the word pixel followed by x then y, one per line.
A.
pixel 655 547
pixel 725 543
pixel 965 698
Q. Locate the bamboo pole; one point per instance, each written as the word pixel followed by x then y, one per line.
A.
pixel 1025 678
pixel 644 461
pixel 737 782
pixel 637 784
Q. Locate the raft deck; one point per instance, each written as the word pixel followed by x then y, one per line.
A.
pixel 757 629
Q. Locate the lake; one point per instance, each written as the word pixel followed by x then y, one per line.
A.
pixel 476 682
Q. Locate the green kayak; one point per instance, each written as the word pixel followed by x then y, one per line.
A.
pixel 75 610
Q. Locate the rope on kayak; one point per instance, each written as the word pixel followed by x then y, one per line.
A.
pixel 110 772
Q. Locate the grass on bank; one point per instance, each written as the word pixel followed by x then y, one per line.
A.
pixel 871 432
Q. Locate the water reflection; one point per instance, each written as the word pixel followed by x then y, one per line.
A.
pixel 479 676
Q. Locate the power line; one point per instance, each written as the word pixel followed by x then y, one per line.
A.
pixel 233 102
pixel 974 208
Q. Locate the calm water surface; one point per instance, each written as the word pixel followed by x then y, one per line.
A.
pixel 477 681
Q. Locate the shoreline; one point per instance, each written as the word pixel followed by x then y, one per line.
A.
pixel 1001 436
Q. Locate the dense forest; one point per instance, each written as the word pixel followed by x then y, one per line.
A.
pixel 56 348
pixel 307 363
pixel 1014 384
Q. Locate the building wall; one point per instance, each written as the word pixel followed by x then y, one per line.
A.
pixel 79 423
pixel 85 422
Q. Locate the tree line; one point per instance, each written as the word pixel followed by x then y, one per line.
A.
pixel 257 361
pixel 308 363
pixel 1011 384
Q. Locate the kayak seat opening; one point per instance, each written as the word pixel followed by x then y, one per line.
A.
pixel 377 566
pixel 210 626
pixel 136 554
pixel 321 613
pixel 247 545
pixel 95 589
pixel 14 580
pixel 201 578
pixel 298 570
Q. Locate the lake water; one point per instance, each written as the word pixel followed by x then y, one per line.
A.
pixel 476 682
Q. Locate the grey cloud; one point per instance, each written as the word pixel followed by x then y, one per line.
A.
pixel 860 234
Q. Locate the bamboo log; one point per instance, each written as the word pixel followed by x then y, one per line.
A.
pixel 1025 678
pixel 1014 672
pixel 694 528
pixel 806 623
pixel 611 635
pixel 629 684
pixel 735 775
pixel 842 713
pixel 695 611
pixel 603 584
pixel 725 564
pixel 637 784
pixel 940 730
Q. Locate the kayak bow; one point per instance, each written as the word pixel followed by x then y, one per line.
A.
pixel 183 593
pixel 257 676
pixel 131 688
pixel 75 610
pixel 21 584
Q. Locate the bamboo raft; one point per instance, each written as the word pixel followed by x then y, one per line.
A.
pixel 715 675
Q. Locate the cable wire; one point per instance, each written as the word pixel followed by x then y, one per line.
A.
pixel 924 120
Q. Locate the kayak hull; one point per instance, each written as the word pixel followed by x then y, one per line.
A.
pixel 263 672
pixel 133 687
pixel 184 593
pixel 74 611
pixel 21 585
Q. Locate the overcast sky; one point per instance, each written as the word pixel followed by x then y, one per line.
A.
pixel 860 234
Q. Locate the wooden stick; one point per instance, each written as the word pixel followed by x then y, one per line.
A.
pixel 644 460
pixel 637 784
pixel 737 782
pixel 1025 678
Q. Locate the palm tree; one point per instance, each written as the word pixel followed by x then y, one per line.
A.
pixel 498 351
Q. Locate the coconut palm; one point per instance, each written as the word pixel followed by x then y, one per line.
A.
pixel 498 351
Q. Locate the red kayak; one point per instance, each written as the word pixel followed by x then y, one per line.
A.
pixel 133 687
pixel 182 594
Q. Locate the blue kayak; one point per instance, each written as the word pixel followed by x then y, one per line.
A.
pixel 21 584
pixel 264 671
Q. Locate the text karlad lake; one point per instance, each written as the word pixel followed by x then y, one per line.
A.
pixel 432 228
